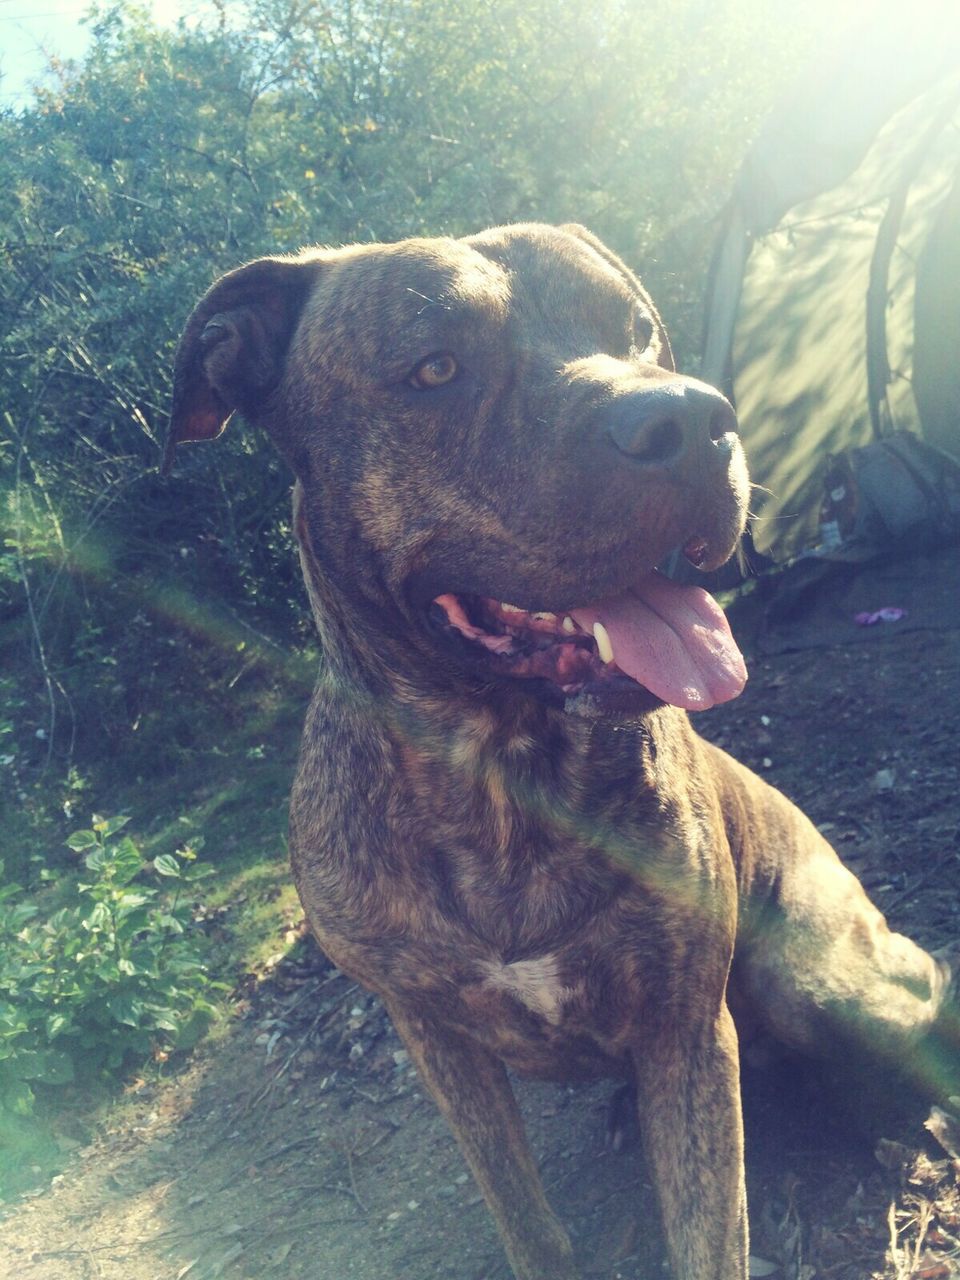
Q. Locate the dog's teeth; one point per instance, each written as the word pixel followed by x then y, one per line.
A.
pixel 510 608
pixel 544 617
pixel 604 647
pixel 569 625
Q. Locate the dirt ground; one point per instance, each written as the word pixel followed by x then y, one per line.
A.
pixel 299 1145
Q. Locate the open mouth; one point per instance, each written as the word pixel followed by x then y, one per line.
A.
pixel 672 640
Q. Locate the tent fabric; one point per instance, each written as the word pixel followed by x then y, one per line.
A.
pixel 866 145
pixel 936 326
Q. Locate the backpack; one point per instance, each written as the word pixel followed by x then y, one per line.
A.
pixel 895 492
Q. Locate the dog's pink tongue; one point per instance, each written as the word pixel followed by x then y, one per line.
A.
pixel 674 640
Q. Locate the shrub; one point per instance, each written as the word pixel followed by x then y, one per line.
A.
pixel 109 977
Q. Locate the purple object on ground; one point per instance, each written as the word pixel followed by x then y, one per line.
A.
pixel 890 613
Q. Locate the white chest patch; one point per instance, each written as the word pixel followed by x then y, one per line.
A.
pixel 535 983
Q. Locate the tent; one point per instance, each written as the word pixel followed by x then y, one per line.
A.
pixel 833 311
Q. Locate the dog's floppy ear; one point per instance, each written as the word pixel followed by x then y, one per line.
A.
pixel 232 350
pixel 664 350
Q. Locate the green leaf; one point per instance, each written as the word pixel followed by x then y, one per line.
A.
pixel 163 1018
pixel 17 917
pixel 96 860
pixel 133 922
pixel 16 1096
pixel 126 860
pixel 99 917
pixel 111 825
pixel 166 865
pixel 199 871
pixel 126 1010
pixel 56 1025
pixel 82 840
pixel 127 902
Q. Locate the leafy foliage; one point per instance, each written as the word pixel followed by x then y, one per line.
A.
pixel 109 977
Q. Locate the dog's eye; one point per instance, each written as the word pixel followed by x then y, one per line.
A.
pixel 435 371
pixel 642 331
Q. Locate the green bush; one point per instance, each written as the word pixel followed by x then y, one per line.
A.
pixel 108 978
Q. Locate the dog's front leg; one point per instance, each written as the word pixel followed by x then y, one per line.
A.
pixel 471 1088
pixel 690 1118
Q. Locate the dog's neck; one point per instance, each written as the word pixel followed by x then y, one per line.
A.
pixel 472 736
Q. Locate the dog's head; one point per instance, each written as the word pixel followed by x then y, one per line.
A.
pixel 494 452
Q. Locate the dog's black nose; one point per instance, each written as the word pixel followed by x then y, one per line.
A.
pixel 662 425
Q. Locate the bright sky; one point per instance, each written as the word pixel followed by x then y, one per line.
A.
pixel 31 30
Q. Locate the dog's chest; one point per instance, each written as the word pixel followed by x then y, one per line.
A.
pixel 538 984
pixel 537 1018
pixel 521 893
pixel 550 965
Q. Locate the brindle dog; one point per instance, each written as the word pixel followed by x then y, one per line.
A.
pixel 502 821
